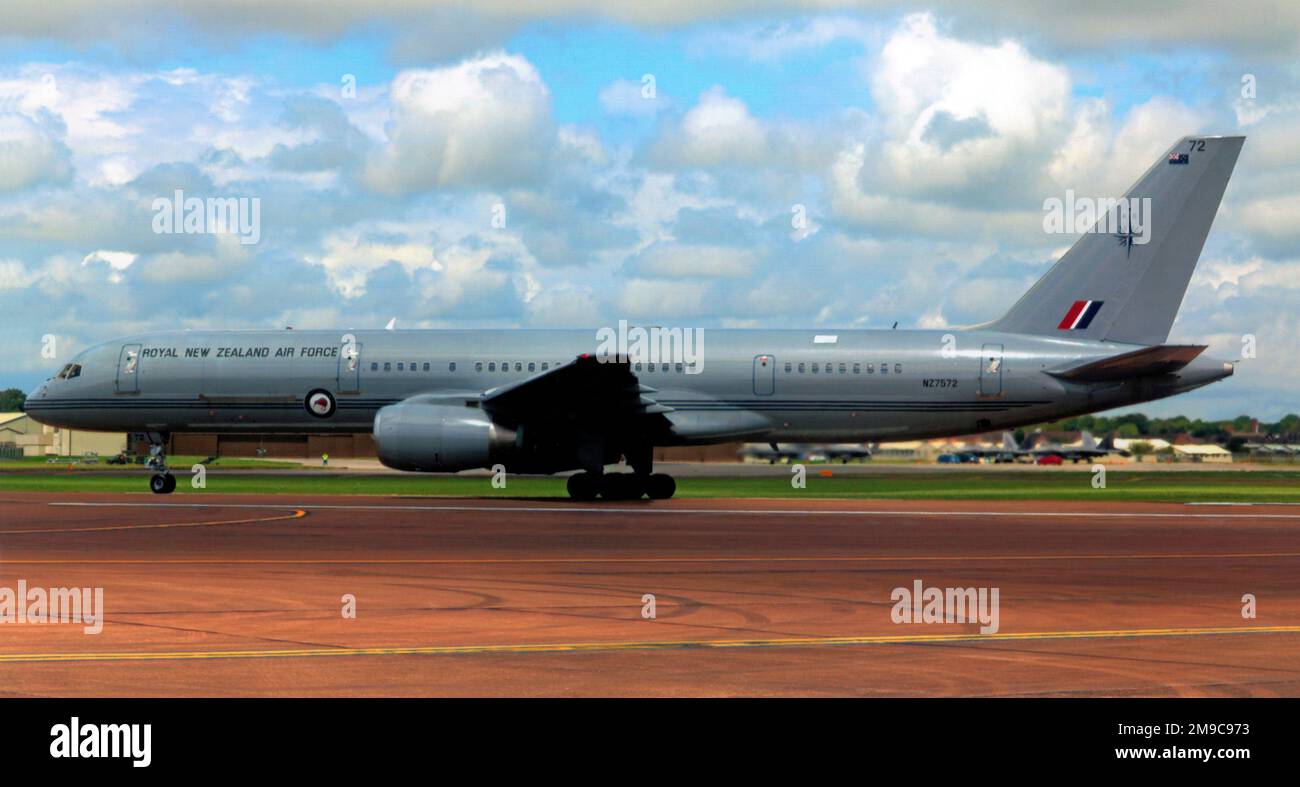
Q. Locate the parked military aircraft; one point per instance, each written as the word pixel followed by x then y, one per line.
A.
pixel 772 453
pixel 1008 451
pixel 800 452
pixel 1088 336
pixel 1088 448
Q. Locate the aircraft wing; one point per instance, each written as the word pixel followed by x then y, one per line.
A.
pixel 584 388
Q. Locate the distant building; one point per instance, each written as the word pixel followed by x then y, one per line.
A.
pixel 1203 453
pixel 916 450
pixel 1156 443
pixel 1273 451
pixel 36 439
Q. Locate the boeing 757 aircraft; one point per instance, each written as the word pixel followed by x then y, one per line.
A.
pixel 1089 335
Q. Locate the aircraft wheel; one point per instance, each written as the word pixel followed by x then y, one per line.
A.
pixel 660 486
pixel 621 486
pixel 162 483
pixel 583 486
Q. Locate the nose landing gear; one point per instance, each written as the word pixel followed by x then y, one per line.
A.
pixel 162 482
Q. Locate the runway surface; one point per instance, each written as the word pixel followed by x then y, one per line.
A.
pixel 244 595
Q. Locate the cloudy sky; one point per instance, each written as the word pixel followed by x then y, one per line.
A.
pixel 572 163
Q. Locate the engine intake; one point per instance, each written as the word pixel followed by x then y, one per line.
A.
pixel 430 435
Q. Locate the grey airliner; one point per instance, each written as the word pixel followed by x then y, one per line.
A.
pixel 1090 335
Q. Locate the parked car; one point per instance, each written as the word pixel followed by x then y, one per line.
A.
pixel 949 459
pixel 1050 459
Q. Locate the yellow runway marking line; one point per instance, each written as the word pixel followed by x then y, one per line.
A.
pixel 297 514
pixel 625 560
pixel 598 647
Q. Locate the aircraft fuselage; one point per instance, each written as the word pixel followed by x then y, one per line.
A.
pixel 770 385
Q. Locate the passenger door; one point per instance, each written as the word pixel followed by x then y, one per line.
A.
pixel 991 370
pixel 764 375
pixel 349 377
pixel 128 369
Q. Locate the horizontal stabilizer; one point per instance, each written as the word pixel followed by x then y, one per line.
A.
pixel 1146 362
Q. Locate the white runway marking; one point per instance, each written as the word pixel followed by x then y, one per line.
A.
pixel 697 511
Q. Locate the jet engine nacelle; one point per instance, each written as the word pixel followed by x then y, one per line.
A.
pixel 431 435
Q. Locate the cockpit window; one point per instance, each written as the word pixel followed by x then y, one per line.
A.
pixel 63 373
pixel 74 371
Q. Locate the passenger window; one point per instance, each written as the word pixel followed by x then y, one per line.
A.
pixel 884 368
pixel 679 368
pixel 871 368
pixel 814 368
pixel 374 367
pixel 801 368
pixel 426 367
pixel 544 366
pixel 532 367
pixel 898 368
pixel 857 368
pixel 519 367
pixel 637 367
pixel 451 367
pixel 400 368
pixel 787 367
pixel 478 366
pixel 844 369
pixel 492 367
pixel 663 368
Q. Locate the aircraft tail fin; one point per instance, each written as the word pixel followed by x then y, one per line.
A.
pixel 1124 279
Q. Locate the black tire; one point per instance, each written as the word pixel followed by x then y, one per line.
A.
pixel 171 484
pixel 158 483
pixel 620 486
pixel 660 486
pixel 583 486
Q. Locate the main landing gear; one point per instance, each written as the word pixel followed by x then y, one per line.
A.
pixel 621 486
pixel 162 482
pixel 594 482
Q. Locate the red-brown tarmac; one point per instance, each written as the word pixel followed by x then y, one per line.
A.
pixel 225 595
